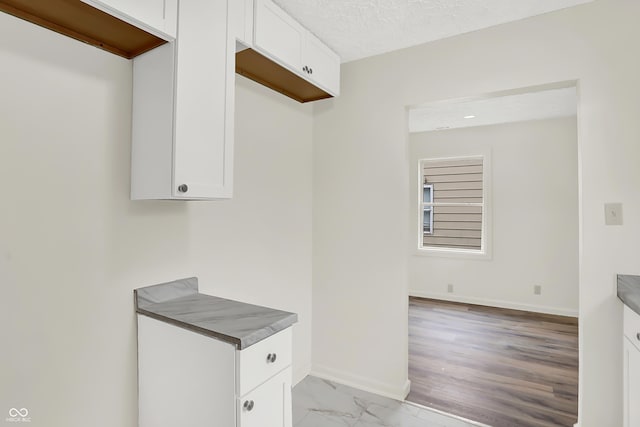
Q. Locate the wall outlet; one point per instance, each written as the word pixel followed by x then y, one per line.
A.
pixel 537 290
pixel 613 214
pixel 450 288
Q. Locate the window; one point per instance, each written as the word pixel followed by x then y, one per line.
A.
pixel 452 204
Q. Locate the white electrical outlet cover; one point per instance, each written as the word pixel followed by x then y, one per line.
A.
pixel 613 213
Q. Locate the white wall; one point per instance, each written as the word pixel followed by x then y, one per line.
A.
pixel 534 207
pixel 360 162
pixel 73 246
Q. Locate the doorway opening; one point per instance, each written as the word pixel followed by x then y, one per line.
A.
pixel 493 275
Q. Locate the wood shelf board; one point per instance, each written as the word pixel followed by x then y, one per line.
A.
pixel 80 21
pixel 261 69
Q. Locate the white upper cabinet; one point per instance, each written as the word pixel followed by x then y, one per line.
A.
pixel 203 118
pixel 321 64
pixel 158 17
pixel 278 36
pixel 183 109
pixel 241 21
pixel 281 38
pixel 127 28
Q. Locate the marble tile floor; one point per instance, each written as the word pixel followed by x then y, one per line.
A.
pixel 322 403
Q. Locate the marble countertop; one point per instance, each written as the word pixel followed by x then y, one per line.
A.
pixel 238 323
pixel 629 291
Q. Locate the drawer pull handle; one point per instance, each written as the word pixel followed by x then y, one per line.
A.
pixel 248 405
pixel 271 357
pixel 638 336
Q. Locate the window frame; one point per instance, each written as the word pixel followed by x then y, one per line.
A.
pixel 485 251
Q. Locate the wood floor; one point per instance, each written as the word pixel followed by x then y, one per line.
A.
pixel 504 368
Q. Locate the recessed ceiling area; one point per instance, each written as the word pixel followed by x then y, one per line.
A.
pixel 490 110
pixel 357 29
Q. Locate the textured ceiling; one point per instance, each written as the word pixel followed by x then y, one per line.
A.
pixel 494 110
pixel 359 28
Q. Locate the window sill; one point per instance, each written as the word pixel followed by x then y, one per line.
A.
pixel 454 253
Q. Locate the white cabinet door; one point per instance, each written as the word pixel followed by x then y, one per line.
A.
pixel 631 385
pixel 322 64
pixel 269 405
pixel 183 110
pixel 202 158
pixel 278 36
pixel 159 15
pixel 282 39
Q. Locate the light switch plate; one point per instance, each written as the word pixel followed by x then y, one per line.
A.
pixel 613 213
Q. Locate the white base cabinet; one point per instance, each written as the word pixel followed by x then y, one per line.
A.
pixel 192 380
pixel 631 368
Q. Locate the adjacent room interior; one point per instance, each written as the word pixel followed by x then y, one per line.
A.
pixel 493 285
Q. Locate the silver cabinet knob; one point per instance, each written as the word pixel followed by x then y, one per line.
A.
pixel 248 405
pixel 183 188
pixel 271 357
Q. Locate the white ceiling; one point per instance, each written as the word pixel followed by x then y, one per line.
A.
pixel 494 110
pixel 359 28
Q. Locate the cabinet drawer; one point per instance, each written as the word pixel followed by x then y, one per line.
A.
pixel 632 326
pixel 263 360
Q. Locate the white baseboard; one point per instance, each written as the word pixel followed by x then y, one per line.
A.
pixel 393 391
pixel 406 389
pixel 300 373
pixel 496 303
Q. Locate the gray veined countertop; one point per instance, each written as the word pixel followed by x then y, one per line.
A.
pixel 629 291
pixel 238 323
